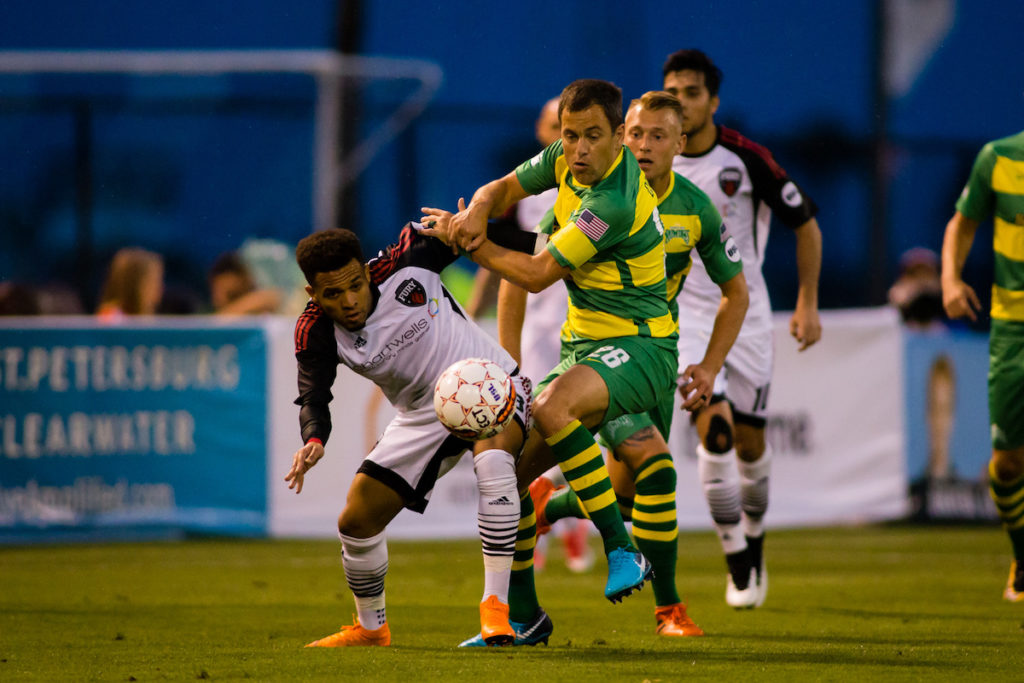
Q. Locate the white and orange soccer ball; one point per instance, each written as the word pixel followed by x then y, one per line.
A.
pixel 474 398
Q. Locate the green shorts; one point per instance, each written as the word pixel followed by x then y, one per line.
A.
pixel 1006 384
pixel 640 373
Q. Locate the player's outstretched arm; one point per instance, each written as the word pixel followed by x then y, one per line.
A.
pixel 468 228
pixel 511 313
pixel 958 298
pixel 302 461
pixel 700 378
pixel 805 325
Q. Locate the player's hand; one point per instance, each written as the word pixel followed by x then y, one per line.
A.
pixel 805 326
pixel 437 223
pixel 695 386
pixel 960 301
pixel 469 226
pixel 302 461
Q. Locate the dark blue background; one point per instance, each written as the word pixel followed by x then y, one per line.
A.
pixel 192 166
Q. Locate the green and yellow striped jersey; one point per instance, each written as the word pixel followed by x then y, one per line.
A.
pixel 691 221
pixel 996 188
pixel 611 238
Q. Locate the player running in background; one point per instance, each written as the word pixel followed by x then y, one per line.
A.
pixel 641 466
pixel 996 188
pixel 393 322
pixel 747 186
pixel 622 336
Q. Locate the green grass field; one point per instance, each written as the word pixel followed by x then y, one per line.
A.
pixel 874 603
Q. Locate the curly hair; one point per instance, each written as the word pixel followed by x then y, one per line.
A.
pixel 327 250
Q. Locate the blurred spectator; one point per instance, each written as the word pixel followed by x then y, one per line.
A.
pixel 272 266
pixel 58 298
pixel 18 299
pixel 917 292
pixel 233 290
pixel 134 284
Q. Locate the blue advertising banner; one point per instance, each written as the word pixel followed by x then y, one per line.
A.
pixel 948 439
pixel 124 430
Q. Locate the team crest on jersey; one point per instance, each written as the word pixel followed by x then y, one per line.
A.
pixel 791 195
pixel 411 293
pixel 729 180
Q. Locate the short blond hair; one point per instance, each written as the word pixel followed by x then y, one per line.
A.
pixel 656 100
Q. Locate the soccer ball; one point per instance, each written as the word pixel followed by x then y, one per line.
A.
pixel 474 398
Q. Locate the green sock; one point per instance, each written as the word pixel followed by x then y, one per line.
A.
pixel 564 504
pixel 582 463
pixel 522 592
pixel 1009 499
pixel 654 524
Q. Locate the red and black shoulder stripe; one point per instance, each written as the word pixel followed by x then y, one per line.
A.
pixel 747 148
pixel 312 318
pixel 412 249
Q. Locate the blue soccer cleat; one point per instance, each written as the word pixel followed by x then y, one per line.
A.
pixel 535 631
pixel 627 571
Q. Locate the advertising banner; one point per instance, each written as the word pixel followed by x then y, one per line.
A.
pixel 131 429
pixel 835 427
pixel 948 438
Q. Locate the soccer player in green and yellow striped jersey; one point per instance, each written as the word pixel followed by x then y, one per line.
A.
pixel 610 251
pixel 642 469
pixel 996 188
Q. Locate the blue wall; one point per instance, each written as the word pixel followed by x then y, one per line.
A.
pixel 798 78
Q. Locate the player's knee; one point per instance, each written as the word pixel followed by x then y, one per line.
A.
pixel 719 438
pixel 495 472
pixel 356 525
pixel 1007 467
pixel 546 413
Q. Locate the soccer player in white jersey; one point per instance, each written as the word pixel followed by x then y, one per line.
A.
pixel 393 322
pixel 748 187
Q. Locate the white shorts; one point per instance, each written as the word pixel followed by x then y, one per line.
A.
pixel 416 450
pixel 747 374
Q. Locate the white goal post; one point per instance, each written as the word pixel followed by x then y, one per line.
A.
pixel 326 67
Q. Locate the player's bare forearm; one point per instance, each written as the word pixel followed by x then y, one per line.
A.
pixel 958 298
pixel 808 262
pixel 534 273
pixel 728 321
pixel 469 226
pixel 497 196
pixel 511 313
pixel 805 325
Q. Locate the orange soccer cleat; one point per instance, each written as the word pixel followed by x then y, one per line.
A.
pixel 541 490
pixel 356 636
pixel 494 627
pixel 673 621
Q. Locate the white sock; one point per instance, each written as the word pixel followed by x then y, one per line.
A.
pixel 754 492
pixel 365 561
pixel 720 480
pixel 497 518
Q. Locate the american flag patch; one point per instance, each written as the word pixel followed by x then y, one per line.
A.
pixel 592 226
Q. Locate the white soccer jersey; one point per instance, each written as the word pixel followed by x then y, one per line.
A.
pixel 415 331
pixel 746 185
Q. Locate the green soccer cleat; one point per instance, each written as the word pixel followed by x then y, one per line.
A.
pixel 627 571
pixel 529 633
